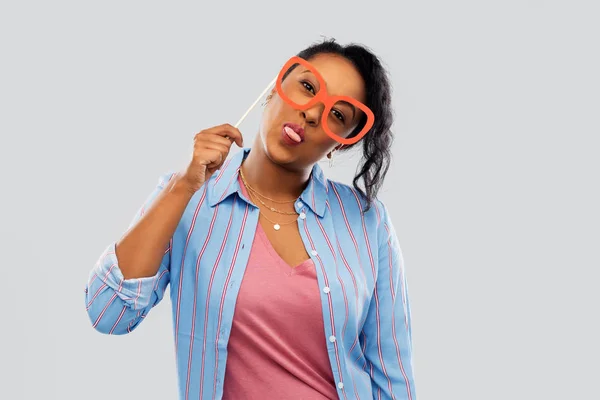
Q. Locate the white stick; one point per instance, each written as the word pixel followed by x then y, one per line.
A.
pixel 255 102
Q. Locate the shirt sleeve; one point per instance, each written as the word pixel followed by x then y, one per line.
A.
pixel 387 333
pixel 116 305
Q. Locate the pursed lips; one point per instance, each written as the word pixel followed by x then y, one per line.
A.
pixel 295 131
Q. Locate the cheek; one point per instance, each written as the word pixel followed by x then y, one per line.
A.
pixel 277 106
pixel 268 119
pixel 273 112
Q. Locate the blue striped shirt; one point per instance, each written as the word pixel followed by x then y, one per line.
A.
pixel 360 269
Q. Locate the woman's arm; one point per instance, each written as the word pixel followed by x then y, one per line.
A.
pixel 131 276
pixel 142 248
pixel 387 332
pixel 117 306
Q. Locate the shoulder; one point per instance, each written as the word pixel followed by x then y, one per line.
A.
pixel 355 205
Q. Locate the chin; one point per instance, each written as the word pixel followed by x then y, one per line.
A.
pixel 277 151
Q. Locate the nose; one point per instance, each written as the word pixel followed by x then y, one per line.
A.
pixel 312 115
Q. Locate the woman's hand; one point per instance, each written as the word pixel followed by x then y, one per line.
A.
pixel 211 147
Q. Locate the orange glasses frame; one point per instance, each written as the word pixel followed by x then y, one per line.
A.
pixel 328 101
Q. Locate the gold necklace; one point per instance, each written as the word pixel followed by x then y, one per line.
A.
pixel 274 209
pixel 262 195
pixel 276 225
pixel 251 189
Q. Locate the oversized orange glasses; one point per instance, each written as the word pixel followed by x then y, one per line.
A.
pixel 302 86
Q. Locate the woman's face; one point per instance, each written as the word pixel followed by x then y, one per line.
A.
pixel 342 79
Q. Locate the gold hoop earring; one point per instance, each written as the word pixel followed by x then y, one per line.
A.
pixel 330 155
pixel 264 103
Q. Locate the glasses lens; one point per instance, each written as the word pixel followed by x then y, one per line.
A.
pixel 300 84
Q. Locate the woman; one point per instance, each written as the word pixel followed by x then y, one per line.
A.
pixel 283 284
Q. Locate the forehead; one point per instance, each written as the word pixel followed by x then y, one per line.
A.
pixel 341 76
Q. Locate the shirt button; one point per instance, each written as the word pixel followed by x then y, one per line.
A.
pixel 326 289
pixel 314 252
pixel 341 385
pixel 302 215
pixel 299 205
pixel 332 339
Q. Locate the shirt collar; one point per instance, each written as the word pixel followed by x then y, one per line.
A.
pixel 225 182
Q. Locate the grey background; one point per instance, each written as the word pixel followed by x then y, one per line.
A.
pixel 493 189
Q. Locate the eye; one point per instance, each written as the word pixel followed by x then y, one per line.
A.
pixel 308 86
pixel 338 115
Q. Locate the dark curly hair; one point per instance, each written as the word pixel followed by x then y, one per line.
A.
pixel 377 143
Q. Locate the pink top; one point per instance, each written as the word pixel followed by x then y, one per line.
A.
pixel 277 347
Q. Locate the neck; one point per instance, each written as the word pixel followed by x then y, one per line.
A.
pixel 270 179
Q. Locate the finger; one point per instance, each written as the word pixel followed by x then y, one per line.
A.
pixel 227 130
pixel 209 157
pixel 223 148
pixel 224 141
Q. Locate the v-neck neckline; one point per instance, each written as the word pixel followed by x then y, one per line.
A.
pixel 275 255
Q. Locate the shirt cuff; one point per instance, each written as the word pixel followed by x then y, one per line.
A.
pixel 135 293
